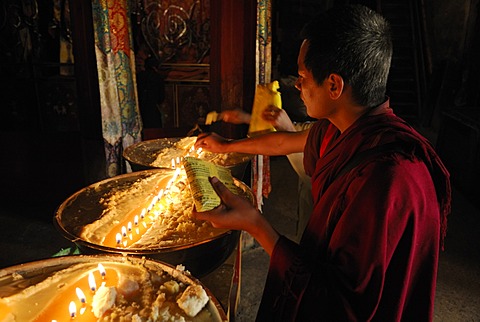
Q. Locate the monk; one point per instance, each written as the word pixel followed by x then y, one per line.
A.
pixel 381 194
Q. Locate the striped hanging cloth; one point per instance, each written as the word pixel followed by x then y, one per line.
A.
pixel 261 185
pixel 121 122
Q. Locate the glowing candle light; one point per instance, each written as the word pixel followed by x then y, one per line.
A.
pixel 72 308
pixel 160 194
pixel 59 300
pixel 173 163
pixel 91 282
pixel 154 200
pixel 149 208
pixel 178 160
pixel 199 150
pixel 143 215
pixel 102 270
pixel 175 175
pixel 81 295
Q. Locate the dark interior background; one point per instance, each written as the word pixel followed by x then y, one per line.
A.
pixel 51 143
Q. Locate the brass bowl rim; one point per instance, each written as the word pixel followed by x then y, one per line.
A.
pixel 71 236
pixel 34 270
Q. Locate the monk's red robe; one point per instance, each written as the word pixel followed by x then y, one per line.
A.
pixel 370 250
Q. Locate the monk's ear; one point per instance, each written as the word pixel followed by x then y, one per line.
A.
pixel 335 86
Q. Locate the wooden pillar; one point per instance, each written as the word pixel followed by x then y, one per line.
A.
pixel 232 57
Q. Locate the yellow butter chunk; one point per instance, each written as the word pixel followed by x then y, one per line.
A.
pixel 211 117
pixel 193 300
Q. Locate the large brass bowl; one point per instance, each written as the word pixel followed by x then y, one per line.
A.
pixel 142 155
pixel 17 278
pixel 84 207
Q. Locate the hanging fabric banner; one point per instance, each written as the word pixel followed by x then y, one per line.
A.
pixel 121 122
pixel 261 185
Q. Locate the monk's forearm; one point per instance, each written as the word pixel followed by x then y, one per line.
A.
pixel 272 144
pixel 264 233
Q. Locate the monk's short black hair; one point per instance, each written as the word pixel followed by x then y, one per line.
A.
pixel 354 42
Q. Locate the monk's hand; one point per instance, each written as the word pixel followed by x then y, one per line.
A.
pixel 270 113
pixel 211 142
pixel 235 116
pixel 234 212
pixel 278 118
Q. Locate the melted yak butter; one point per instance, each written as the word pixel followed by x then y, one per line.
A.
pixel 4 311
pixel 50 299
pixel 133 226
pixel 58 309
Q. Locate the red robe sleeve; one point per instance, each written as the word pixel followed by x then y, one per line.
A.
pixel 370 251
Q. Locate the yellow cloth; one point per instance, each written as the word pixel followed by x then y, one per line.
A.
pixel 265 95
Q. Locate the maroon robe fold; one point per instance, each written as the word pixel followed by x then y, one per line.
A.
pixel 370 250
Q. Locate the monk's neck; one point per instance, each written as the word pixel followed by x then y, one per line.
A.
pixel 347 116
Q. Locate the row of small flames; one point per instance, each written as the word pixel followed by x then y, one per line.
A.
pixel 72 307
pixel 126 233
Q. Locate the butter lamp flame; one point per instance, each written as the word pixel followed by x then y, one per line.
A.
pixel 91 282
pixel 154 201
pixel 80 295
pixel 72 308
pixel 118 238
pixel 102 270
pixel 175 175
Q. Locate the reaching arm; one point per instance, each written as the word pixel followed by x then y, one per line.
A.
pixel 278 118
pixel 275 143
pixel 235 116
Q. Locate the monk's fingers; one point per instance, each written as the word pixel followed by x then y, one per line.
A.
pixel 218 217
pixel 221 190
pixel 201 140
pixel 271 113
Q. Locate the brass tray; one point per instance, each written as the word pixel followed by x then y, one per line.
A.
pixel 142 156
pixel 17 278
pixel 84 207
